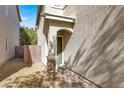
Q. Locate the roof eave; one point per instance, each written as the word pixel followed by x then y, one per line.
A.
pixel 18 12
pixel 38 14
pixel 59 17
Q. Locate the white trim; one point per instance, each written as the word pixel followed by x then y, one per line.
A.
pixel 62 48
pixel 70 30
pixel 59 17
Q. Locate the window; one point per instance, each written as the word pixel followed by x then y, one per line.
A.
pixel 58 6
pixel 43 7
pixel 6 10
pixel 6 43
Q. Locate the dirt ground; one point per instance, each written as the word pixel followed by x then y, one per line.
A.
pixel 17 74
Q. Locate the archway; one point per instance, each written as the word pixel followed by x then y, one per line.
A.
pixel 63 36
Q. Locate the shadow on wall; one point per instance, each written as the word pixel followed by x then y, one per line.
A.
pixel 103 61
pixel 10 67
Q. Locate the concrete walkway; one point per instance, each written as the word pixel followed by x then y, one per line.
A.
pixel 36 76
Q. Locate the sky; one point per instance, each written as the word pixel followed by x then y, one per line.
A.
pixel 28 15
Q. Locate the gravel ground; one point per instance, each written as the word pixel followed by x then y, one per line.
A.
pixel 10 67
pixel 36 76
pixel 72 80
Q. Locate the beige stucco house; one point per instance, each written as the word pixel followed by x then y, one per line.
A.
pixel 52 24
pixel 9 31
pixel 89 40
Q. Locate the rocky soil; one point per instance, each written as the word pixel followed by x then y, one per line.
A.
pixel 36 76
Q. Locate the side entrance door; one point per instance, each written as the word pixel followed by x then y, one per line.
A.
pixel 59 50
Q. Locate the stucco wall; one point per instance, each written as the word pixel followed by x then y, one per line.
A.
pixel 9 32
pixel 96 48
pixel 42 41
